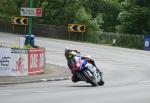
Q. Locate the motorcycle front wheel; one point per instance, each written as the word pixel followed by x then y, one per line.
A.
pixel 89 78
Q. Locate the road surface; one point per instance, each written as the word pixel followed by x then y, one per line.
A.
pixel 126 76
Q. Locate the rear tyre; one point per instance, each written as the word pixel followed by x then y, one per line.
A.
pixel 101 83
pixel 89 78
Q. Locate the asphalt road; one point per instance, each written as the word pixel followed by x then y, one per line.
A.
pixel 126 76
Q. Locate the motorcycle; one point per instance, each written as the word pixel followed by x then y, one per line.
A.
pixel 86 74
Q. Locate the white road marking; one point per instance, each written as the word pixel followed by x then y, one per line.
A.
pixel 148 81
pixel 5 94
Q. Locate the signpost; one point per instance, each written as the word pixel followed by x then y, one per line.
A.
pixel 76 28
pixel 147 42
pixel 19 20
pixel 30 19
pixel 30 12
pixel 27 12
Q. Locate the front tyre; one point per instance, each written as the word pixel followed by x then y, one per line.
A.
pixel 89 78
pixel 101 83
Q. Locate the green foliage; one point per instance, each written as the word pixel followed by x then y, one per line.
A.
pixel 4 16
pixel 130 41
pixel 92 24
pixel 63 12
pixel 99 18
pixel 124 16
pixel 28 46
pixel 127 41
pixel 109 10
pixel 58 12
pixel 134 17
pixel 8 8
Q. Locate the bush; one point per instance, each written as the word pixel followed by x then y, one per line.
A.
pixel 28 46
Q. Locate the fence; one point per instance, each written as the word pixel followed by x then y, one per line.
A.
pixel 60 32
pixel 51 31
pixel 122 40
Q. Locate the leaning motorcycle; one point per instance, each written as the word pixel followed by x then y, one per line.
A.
pixel 86 74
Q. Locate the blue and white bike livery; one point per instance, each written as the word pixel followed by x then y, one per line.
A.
pixel 90 74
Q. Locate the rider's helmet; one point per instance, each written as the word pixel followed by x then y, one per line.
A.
pixel 67 50
pixel 71 55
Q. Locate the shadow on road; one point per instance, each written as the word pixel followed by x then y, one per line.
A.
pixel 80 86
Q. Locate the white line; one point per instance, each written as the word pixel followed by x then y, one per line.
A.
pixel 5 94
pixel 148 81
pixel 40 91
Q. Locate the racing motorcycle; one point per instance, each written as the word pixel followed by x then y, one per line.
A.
pixel 86 74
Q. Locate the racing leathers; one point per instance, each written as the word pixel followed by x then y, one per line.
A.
pixel 76 63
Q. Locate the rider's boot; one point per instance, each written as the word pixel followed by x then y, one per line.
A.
pixel 75 78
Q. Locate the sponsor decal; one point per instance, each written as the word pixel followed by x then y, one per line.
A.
pixel 4 61
pixel 18 50
pixel 15 62
pixel 20 64
pixel 36 61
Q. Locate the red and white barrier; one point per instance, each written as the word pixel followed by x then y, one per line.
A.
pixel 36 60
pixel 19 62
pixel 13 62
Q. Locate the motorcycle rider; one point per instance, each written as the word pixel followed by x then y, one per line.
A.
pixel 87 57
pixel 76 61
pixel 73 62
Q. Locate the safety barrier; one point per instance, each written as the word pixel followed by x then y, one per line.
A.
pixel 36 60
pixel 21 62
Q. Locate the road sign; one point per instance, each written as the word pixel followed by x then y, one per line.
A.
pixel 76 28
pixel 31 12
pixel 39 12
pixel 147 42
pixel 19 20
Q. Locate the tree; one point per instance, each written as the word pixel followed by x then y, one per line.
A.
pixel 109 10
pixel 59 12
pixel 8 8
pixel 92 24
pixel 134 17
